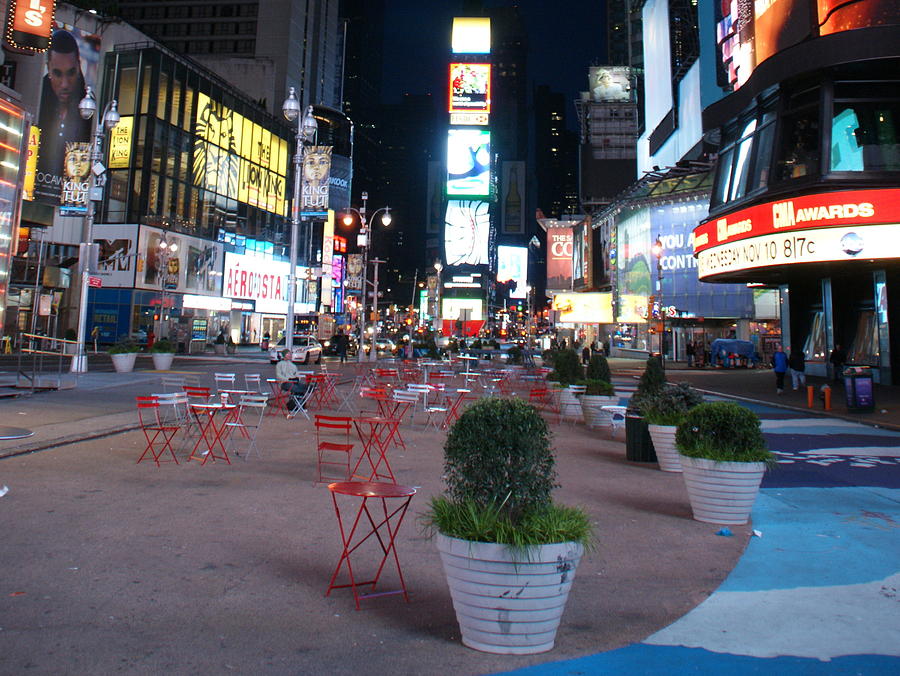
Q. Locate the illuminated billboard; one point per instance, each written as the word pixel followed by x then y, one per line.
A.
pixel 584 308
pixel 471 35
pixel 238 158
pixel 468 162
pixel 610 83
pixel 467 229
pixel 29 23
pixel 840 15
pixel 560 245
pixel 470 87
pixel 512 263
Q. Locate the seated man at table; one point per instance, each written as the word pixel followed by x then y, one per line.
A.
pixel 289 380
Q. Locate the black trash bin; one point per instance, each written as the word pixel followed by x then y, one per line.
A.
pixel 858 386
pixel 638 444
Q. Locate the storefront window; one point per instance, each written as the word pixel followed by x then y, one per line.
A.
pixel 127 90
pixel 814 348
pixel 864 349
pixel 865 137
pixel 798 155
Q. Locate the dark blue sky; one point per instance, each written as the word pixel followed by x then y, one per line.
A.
pixel 564 38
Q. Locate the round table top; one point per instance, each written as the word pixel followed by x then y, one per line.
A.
pixel 7 433
pixel 376 420
pixel 371 489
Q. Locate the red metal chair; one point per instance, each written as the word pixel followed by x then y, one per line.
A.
pixel 545 400
pixel 278 400
pixel 333 437
pixel 153 428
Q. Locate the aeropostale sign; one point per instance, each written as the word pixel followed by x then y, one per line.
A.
pixel 807 212
pixel 250 278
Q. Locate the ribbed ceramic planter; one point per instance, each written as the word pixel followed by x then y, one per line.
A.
pixel 664 444
pixel 507 601
pixel 592 410
pixel 162 361
pixel 721 492
pixel 123 362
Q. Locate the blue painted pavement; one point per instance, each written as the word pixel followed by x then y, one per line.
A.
pixel 818 591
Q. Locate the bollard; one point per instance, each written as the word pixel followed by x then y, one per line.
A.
pixel 810 396
pixel 826 390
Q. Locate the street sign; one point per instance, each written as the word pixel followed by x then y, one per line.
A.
pixel 95 282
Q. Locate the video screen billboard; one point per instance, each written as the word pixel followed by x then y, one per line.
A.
pixel 560 246
pixel 512 264
pixel 610 83
pixel 471 35
pixel 467 229
pixel 470 87
pixel 468 162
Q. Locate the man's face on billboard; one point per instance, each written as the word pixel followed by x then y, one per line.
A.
pixel 64 71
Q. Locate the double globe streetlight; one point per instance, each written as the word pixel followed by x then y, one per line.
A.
pixel 365 240
pixel 109 119
pixel 306 133
pixel 658 251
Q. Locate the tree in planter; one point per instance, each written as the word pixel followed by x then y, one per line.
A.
pixel 723 457
pixel 567 367
pixel 598 369
pixel 597 387
pixel 638 444
pixel 498 515
pixel 652 380
pixel 663 412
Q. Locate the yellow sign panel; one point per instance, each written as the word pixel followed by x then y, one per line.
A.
pixel 471 35
pixel 120 143
pixel 238 158
pixel 584 308
pixel 34 144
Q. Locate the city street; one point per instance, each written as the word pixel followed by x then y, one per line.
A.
pixel 115 566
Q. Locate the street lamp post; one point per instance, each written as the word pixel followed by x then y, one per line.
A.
pixel 306 132
pixel 438 266
pixel 166 250
pixel 658 252
pixel 365 240
pixel 109 119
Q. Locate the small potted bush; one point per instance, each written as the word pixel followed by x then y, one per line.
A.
pixel 123 355
pixel 509 552
pixel 638 444
pixel 567 370
pixel 163 352
pixel 664 411
pixel 598 369
pixel 597 394
pixel 723 457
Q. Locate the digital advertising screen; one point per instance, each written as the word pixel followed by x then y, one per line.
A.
pixel 610 83
pixel 471 35
pixel 470 87
pixel 512 264
pixel 467 229
pixel 468 162
pixel 560 247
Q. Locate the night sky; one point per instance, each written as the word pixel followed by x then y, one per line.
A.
pixel 562 44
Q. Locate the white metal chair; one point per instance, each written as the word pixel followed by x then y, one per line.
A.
pixel 296 403
pixel 224 381
pixel 253 382
pixel 247 421
pixel 173 384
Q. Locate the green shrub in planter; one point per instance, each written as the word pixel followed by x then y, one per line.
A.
pixel 124 347
pixel 598 369
pixel 724 432
pixel 670 404
pixel 567 367
pixel 650 383
pixel 548 357
pixel 514 355
pixel 164 346
pixel 499 473
pixel 597 388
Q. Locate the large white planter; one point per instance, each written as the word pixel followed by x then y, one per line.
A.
pixel 721 492
pixel 592 410
pixel 664 444
pixel 124 363
pixel 162 361
pixel 508 601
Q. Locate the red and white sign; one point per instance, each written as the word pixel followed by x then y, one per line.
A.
pixel 29 24
pixel 834 209
pixel 95 282
pixel 818 245
pixel 255 278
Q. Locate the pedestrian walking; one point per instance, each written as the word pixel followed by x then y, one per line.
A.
pixel 780 366
pixel 585 355
pixel 797 365
pixel 689 350
pixel 838 358
pixel 340 342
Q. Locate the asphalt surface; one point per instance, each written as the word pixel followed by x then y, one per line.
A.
pixel 111 566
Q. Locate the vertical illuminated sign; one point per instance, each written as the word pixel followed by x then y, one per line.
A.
pixel 29 24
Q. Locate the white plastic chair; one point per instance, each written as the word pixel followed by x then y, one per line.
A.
pixel 253 382
pixel 251 411
pixel 224 381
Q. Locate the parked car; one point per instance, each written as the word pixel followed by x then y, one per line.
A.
pixel 306 350
pixel 383 345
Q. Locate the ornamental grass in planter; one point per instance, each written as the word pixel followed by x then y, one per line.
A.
pixel 723 455
pixel 509 552
pixel 163 352
pixel 664 411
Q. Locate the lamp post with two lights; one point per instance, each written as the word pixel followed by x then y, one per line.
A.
pixel 109 119
pixel 165 250
pixel 365 240
pixel 307 127
pixel 439 320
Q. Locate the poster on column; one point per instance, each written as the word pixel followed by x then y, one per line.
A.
pixel 71 65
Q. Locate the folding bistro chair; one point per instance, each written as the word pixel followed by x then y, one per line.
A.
pixel 172 384
pixel 154 428
pixel 247 420
pixel 278 399
pixel 298 402
pixel 224 381
pixel 333 438
pixel 253 382
pixel 545 400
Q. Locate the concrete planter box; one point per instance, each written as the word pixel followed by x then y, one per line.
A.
pixel 508 601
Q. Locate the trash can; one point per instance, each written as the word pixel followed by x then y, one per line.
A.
pixel 859 390
pixel 638 444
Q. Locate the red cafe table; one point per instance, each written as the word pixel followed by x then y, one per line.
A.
pixel 210 434
pixel 375 433
pixel 380 523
